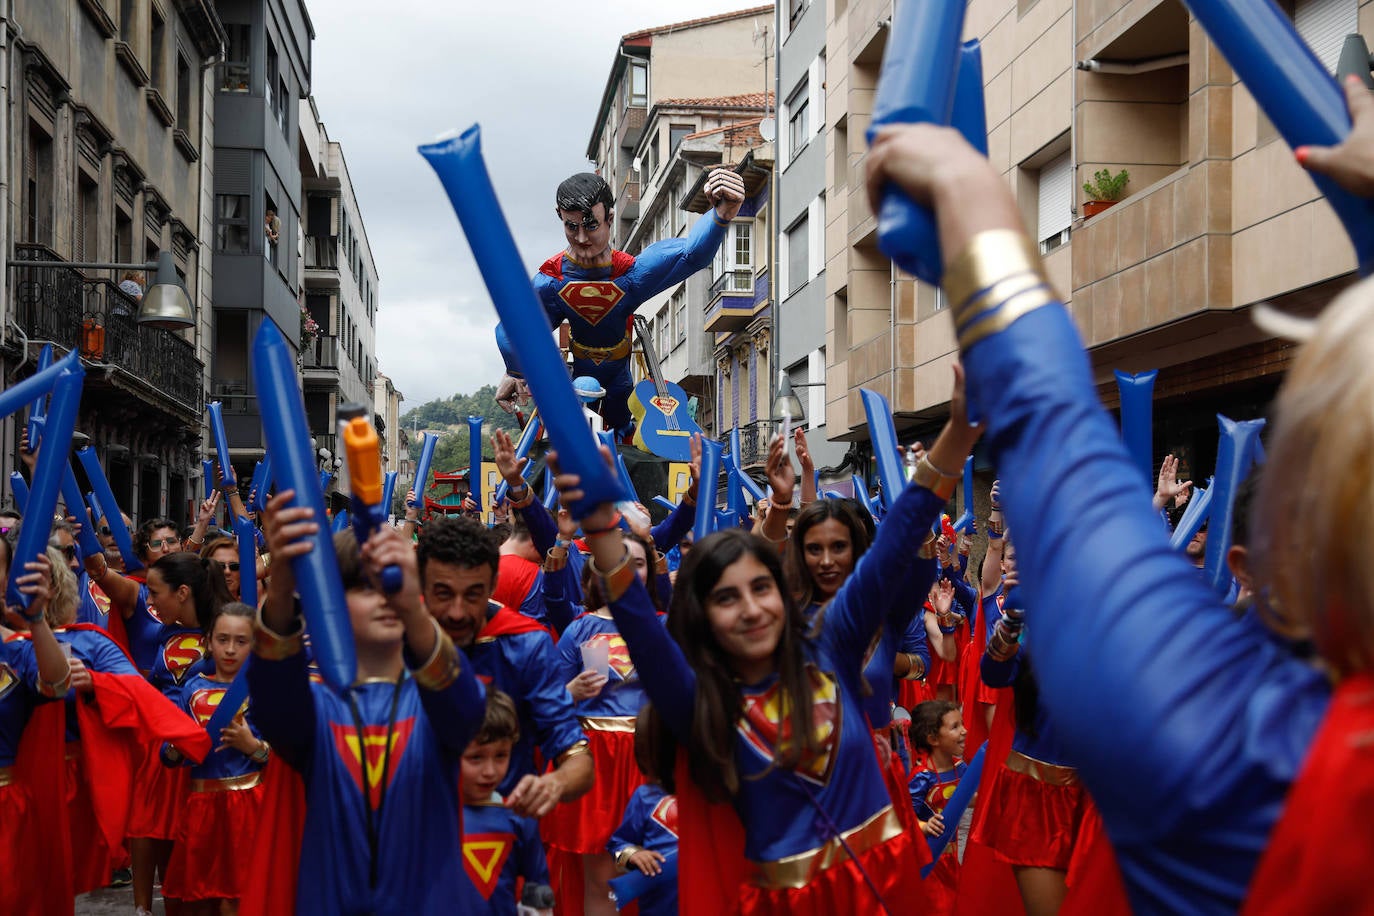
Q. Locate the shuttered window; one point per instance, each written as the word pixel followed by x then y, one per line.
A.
pixel 1323 24
pixel 1056 200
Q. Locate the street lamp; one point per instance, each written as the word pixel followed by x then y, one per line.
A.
pixel 787 404
pixel 166 304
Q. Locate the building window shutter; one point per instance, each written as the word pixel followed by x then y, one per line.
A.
pixel 1323 24
pixel 1056 198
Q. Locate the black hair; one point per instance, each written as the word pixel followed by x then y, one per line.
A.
pixel 458 541
pixel 927 719
pixel 1240 511
pixel 231 609
pixel 205 579
pixel 582 192
pixel 655 749
pixel 855 518
pixel 592 596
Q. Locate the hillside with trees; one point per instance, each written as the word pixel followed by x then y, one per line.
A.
pixel 450 417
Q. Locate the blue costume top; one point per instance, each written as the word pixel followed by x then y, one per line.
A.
pixel 776 805
pixel 560 591
pixel 381 769
pixel 524 666
pixel 599 300
pixel 1138 661
pixel 650 822
pixel 623 694
pixel 1044 746
pixel 881 683
pixel 931 791
pixel 144 629
pixel 199 696
pixel 94 604
pixel 181 652
pixel 97 652
pixel 500 846
pixel 19 694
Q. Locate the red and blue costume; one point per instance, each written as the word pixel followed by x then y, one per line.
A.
pixel 599 300
pixel 930 791
pixel 1139 649
pixel 650 822
pixel 220 818
pixel 382 825
pixel 516 655
pixel 791 817
pixel 500 850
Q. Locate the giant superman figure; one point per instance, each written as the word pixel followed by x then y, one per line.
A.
pixel 596 289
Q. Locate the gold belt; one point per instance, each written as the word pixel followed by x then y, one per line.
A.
pixel 228 784
pixel 798 870
pixel 608 723
pixel 7 776
pixel 1048 773
pixel 601 354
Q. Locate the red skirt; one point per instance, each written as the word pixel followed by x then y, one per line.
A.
pixel 92 858
pixel 842 888
pixel 1031 823
pixel 214 844
pixel 159 793
pixel 24 892
pixel 942 887
pixel 584 825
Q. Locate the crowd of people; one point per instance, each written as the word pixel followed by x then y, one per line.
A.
pixel 788 716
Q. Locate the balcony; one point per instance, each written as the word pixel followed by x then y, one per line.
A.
pixel 321 252
pixel 730 301
pixel 64 306
pixel 631 127
pixel 753 444
pixel 627 202
pixel 320 359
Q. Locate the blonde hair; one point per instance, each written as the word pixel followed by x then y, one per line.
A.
pixel 1319 579
pixel 61 609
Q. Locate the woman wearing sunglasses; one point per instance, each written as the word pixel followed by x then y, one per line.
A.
pixel 225 552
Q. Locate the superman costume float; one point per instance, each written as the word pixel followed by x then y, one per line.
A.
pixel 596 290
pixel 796 823
pixel 381 830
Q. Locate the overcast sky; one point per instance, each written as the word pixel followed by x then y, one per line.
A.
pixel 531 73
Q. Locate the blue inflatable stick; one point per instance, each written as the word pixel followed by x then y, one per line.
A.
pixel 955 808
pixel 226 467
pixel 422 470
pixel 326 478
pixel 475 461
pixel 47 474
pixel 39 409
pixel 114 519
pixel 207 469
pixel 706 492
pixel 666 503
pixel 1194 514
pixel 1295 92
pixel 20 490
pixel 965 521
pixel 246 533
pixel 317 572
pixel 35 386
pixel 388 491
pixel 528 436
pixel 71 496
pixel 628 888
pixel 1137 418
pixel 883 434
pixel 463 173
pixel 732 461
pixel 1235 457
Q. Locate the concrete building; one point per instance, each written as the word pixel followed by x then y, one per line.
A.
pixel 395 442
pixel 339 286
pixel 701 58
pixel 107 132
pixel 1217 216
pixel 257 199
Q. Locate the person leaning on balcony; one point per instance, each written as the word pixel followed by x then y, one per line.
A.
pixel 1268 812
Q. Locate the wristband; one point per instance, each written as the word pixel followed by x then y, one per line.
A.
pixel 524 500
pixel 933 479
pixel 614 526
pixel 260 755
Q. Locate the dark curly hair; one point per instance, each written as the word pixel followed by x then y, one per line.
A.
pixel 145 534
pixel 458 541
pixel 927 719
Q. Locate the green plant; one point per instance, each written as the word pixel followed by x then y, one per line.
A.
pixel 1105 186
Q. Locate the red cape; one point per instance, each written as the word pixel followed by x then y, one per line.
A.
pixel 507 622
pixel 711 863
pixel 42 842
pixel 275 862
pixel 986 885
pixel 1319 854
pixel 514 579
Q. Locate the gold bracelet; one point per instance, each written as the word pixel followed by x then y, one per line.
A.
pixel 933 479
pixel 996 279
pixel 616 581
pixel 928 547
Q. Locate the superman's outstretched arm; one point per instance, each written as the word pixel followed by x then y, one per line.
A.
pixel 671 261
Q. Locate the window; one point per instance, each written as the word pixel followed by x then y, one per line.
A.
pixel 87 218
pixel 795 10
pixel 651 158
pixel 156 52
pixel 661 342
pixel 237 67
pixel 1323 24
pixel 815 397
pixel 798 131
pixel 675 205
pixel 185 95
pixel 734 257
pixel 1055 203
pixel 639 84
pixel 38 186
pixel 679 307
pixel 128 13
pixel 283 107
pixel 798 255
pixel 123 236
pixel 270 80
pixel 842 154
pixel 676 134
pixel 231 223
pixel 272 231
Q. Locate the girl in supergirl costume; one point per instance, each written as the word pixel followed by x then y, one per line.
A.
pixel 221 813
pixel 379 762
pixel 606 703
pixel 771 718
pixel 1268 814
pixel 648 832
pixel 937 728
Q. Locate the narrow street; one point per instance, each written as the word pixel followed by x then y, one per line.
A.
pixel 111 901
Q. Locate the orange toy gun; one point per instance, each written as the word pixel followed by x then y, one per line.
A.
pixel 365 482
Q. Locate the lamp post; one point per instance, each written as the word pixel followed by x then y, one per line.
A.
pixel 165 304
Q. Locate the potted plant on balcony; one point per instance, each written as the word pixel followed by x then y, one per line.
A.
pixel 1104 191
pixel 310 332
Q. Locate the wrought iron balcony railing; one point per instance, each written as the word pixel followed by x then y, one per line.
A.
pixel 63 305
pixel 731 281
pixel 321 353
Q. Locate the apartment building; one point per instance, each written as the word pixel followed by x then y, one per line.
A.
pixel 339 288
pixel 395 442
pixel 1216 216
pixel 108 134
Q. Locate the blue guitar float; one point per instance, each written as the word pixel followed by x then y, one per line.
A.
pixel 662 424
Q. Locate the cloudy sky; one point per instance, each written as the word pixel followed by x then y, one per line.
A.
pixel 531 73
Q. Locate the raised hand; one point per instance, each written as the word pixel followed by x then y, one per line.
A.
pixel 803 453
pixel 779 471
pixel 725 189
pixel 503 453
pixel 1168 487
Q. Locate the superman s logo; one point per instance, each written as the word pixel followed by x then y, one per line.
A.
pixel 484 855
pixel 766 725
pixel 8 681
pixel 618 653
pixel 204 702
pixel 665 814
pixel 181 652
pixel 591 299
pixel 365 761
pixel 102 600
